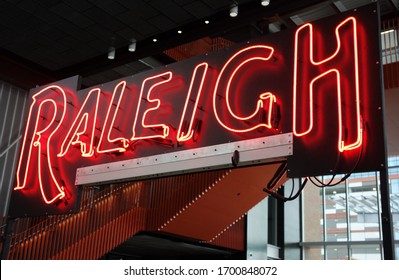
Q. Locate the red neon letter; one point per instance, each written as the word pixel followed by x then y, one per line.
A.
pixel 84 124
pixel 187 132
pixel 221 96
pixel 308 71
pixel 150 130
pixel 44 119
pixel 109 124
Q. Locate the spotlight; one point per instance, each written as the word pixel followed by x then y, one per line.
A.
pixel 155 40
pixel 132 45
pixel 111 53
pixel 179 31
pixel 265 2
pixel 234 10
pixel 206 21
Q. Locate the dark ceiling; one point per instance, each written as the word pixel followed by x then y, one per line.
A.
pixel 47 40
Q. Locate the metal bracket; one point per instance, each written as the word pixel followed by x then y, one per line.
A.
pixel 246 152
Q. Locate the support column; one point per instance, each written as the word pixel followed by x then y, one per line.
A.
pixel 386 216
pixel 257 231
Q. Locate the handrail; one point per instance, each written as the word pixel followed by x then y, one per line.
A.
pixel 61 232
pixel 10 146
pixel 111 216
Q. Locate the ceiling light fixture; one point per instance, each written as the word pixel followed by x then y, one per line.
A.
pixel 154 40
pixel 265 2
pixel 111 53
pixel 206 21
pixel 132 45
pixel 234 10
pixel 179 31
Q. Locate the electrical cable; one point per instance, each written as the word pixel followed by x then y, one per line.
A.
pixel 318 183
pixel 276 178
pixel 321 184
pixel 315 181
pixel 291 197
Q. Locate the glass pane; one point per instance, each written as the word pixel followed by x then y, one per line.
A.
pixel 337 253
pixel 390 46
pixel 335 204
pixel 397 251
pixel 363 208
pixel 393 162
pixel 312 213
pixel 366 252
pixel 394 188
pixel 313 253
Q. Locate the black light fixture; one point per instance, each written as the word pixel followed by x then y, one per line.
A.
pixel 234 9
pixel 265 2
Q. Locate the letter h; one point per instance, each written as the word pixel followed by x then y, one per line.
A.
pixel 343 67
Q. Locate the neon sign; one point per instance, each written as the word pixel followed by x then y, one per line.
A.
pixel 288 82
pixel 36 141
pixel 244 56
pixel 109 126
pixel 347 46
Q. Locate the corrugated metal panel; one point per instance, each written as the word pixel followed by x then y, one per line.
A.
pixel 12 113
pixel 105 220
pixel 168 196
pixel 233 237
pixel 212 212
pixel 109 217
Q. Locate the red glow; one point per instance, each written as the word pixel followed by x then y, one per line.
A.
pixel 84 123
pixel 110 125
pixel 57 192
pixel 300 131
pixel 152 129
pixel 188 134
pixel 295 82
pixel 256 52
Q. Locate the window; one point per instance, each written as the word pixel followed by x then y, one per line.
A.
pixel 390 46
pixel 335 201
pixel 364 214
pixel 344 221
pixel 337 252
pixel 394 194
pixel 313 252
pixel 365 252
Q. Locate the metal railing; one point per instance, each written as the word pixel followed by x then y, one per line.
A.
pixel 109 217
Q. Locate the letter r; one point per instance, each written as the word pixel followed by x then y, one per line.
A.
pixel 37 143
